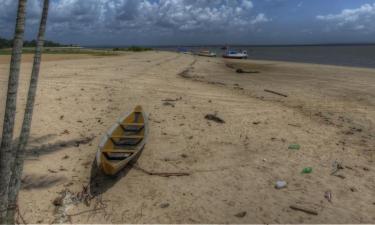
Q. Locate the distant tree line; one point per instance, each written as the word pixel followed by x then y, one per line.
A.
pixel 8 43
pixel 133 49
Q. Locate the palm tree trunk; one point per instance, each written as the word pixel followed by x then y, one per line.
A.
pixel 6 156
pixel 17 169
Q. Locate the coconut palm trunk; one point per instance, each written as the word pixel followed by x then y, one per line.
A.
pixel 17 169
pixel 6 156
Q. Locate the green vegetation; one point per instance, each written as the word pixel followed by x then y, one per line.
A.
pixel 51 47
pixel 64 50
pixel 8 43
pixel 4 43
pixel 133 49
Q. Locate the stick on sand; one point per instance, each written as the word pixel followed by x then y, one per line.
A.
pixel 308 211
pixel 276 93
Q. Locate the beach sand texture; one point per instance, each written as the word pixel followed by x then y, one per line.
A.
pixel 233 166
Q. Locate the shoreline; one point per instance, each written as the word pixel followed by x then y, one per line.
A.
pixel 65 56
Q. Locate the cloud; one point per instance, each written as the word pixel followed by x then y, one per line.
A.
pixel 8 11
pixel 352 19
pixel 260 18
pixel 94 19
pixel 176 15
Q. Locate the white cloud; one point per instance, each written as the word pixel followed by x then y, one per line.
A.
pixel 260 18
pixel 176 15
pixel 137 19
pixel 356 19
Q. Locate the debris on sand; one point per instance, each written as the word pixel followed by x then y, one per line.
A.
pixel 164 205
pixel 238 88
pixel 307 170
pixel 294 125
pixel 214 118
pixel 241 214
pixel 52 171
pixel 58 201
pixel 65 132
pixel 171 100
pixel 245 71
pixel 336 167
pixel 276 93
pixel 328 196
pixel 339 176
pixel 294 147
pixel 280 184
pixel 169 104
pixel 305 210
pixel 161 174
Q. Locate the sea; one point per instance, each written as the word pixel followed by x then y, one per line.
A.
pixel 341 55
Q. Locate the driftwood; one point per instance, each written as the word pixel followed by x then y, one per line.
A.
pixel 308 211
pixel 161 174
pixel 215 118
pixel 245 71
pixel 169 104
pixel 171 100
pixel 87 211
pixel 276 93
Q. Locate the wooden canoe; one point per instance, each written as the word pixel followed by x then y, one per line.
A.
pixel 123 142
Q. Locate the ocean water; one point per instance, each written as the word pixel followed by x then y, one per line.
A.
pixel 342 55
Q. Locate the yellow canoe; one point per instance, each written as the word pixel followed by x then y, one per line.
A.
pixel 123 142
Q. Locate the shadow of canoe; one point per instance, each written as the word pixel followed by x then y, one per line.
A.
pixel 100 182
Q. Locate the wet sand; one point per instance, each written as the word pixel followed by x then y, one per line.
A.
pixel 233 166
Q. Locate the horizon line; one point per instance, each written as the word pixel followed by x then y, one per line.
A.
pixel 216 45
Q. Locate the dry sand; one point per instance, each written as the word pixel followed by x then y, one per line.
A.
pixel 233 166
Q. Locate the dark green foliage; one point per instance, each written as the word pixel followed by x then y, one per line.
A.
pixel 5 43
pixel 133 49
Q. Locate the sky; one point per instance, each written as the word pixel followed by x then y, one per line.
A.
pixel 197 22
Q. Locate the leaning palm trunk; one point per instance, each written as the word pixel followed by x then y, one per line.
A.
pixel 15 181
pixel 6 156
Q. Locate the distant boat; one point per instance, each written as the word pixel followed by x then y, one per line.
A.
pixel 231 54
pixel 183 50
pixel 206 53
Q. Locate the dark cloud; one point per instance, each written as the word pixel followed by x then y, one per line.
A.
pixel 192 21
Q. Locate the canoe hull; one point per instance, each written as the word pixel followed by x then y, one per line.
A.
pixel 112 169
pixel 113 166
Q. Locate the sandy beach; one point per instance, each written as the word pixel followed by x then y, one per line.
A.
pixel 233 166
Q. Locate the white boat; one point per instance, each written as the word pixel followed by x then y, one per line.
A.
pixel 206 53
pixel 231 54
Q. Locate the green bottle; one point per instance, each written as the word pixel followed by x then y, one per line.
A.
pixel 307 170
pixel 294 147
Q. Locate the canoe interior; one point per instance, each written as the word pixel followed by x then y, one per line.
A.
pixel 125 138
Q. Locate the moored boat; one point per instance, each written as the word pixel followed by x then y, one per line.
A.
pixel 123 142
pixel 231 54
pixel 206 53
pixel 184 50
